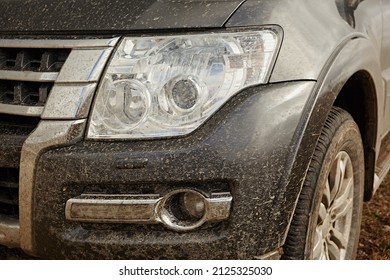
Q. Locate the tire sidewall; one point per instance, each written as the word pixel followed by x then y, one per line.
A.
pixel 346 138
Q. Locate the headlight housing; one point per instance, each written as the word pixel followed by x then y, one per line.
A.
pixel 166 86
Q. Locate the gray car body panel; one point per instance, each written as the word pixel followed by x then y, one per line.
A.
pixel 70 16
pixel 314 33
pixel 313 30
pixel 323 46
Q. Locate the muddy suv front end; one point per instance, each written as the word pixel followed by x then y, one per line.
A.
pixel 191 183
pixel 169 139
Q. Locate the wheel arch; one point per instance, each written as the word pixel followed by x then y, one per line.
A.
pixel 351 79
pixel 359 98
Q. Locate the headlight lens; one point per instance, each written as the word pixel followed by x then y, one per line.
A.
pixel 168 86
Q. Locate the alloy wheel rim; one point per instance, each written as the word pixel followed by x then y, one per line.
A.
pixel 335 214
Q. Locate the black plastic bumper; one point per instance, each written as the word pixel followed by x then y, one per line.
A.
pixel 245 149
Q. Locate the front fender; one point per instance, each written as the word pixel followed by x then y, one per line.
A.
pixel 355 54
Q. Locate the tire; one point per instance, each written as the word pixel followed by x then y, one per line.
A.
pixel 327 218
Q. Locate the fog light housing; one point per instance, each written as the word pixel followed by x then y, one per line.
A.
pixel 183 210
pixel 180 210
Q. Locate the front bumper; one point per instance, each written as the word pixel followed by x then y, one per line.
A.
pixel 244 149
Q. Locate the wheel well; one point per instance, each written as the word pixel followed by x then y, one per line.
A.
pixel 358 97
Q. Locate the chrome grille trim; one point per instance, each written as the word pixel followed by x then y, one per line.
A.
pixel 31 111
pixel 59 44
pixel 83 67
pixel 28 76
pixel 75 102
pixel 9 232
pixel 67 107
pixel 47 135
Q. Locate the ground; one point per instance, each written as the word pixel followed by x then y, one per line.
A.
pixel 374 241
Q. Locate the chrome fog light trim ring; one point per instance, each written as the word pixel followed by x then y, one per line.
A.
pixel 144 209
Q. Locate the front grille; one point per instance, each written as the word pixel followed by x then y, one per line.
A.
pixel 36 60
pixel 13 132
pixel 17 125
pixel 48 79
pixel 9 192
pixel 24 93
pixel 27 75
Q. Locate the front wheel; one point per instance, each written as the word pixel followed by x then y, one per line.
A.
pixel 326 222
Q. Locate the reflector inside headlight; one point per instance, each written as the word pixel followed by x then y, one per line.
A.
pixel 168 86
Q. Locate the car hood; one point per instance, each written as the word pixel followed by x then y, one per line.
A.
pixel 67 16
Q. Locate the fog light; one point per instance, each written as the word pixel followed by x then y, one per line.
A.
pixel 183 210
pixel 192 204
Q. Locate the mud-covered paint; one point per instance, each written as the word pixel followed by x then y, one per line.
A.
pixel 73 16
pixel 258 146
pixel 13 132
pixel 242 149
pixel 313 30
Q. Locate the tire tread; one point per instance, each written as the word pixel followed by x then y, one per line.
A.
pixel 294 247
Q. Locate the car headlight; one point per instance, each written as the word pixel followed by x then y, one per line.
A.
pixel 169 85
